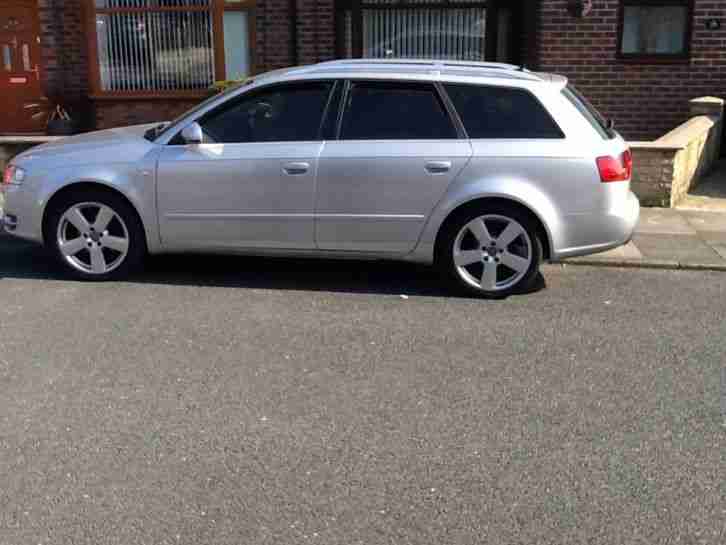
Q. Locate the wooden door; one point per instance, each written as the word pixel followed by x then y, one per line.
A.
pixel 20 87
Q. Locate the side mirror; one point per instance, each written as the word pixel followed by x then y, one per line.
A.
pixel 192 134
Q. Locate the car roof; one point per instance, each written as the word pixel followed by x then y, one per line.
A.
pixel 423 69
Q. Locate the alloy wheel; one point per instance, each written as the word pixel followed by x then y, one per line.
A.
pixel 93 238
pixel 492 253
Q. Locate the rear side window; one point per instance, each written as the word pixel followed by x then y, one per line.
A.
pixel 589 112
pixel 395 111
pixel 500 112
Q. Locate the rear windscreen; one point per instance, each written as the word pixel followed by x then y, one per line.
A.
pixel 595 118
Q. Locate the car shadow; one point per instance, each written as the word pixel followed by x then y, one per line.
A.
pixel 22 260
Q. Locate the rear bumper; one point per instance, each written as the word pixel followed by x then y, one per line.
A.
pixel 590 233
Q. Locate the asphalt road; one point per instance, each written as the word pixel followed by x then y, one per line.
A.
pixel 257 401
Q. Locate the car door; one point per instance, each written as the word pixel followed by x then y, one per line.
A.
pixel 251 183
pixel 397 152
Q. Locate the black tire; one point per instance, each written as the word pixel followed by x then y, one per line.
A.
pixel 448 238
pixel 133 228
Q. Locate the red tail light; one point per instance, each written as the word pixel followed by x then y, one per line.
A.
pixel 8 175
pixel 616 169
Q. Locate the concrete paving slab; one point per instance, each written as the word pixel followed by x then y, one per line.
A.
pixel 720 249
pixel 680 248
pixel 702 202
pixel 629 251
pixel 713 238
pixel 705 221
pixel 663 221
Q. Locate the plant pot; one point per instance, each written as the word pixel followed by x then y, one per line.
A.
pixel 61 127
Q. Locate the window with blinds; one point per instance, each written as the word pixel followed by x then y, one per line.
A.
pixel 433 29
pixel 155 45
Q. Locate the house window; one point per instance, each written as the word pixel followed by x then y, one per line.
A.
pixel 435 29
pixel 239 32
pixel 169 46
pixel 655 28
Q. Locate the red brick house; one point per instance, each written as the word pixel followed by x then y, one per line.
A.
pixel 114 62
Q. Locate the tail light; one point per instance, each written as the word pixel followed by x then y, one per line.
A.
pixel 614 169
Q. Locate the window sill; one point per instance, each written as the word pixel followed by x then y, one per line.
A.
pixel 654 59
pixel 159 95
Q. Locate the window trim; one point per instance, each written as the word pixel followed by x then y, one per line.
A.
pixel 656 58
pixel 216 8
pixel 443 99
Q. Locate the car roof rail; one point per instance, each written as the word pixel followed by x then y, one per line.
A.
pixel 512 70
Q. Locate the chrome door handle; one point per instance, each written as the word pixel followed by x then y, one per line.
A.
pixel 438 167
pixel 295 169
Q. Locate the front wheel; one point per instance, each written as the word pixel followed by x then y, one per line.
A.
pixel 491 252
pixel 95 235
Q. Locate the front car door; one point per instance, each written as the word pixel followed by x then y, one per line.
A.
pixel 21 108
pixel 397 152
pixel 251 184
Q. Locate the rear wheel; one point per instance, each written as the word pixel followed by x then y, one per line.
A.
pixel 95 235
pixel 491 252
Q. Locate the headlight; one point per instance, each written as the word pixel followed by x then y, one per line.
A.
pixel 13 175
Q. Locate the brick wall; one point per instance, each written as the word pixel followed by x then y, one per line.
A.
pixel 119 113
pixel 315 31
pixel 645 100
pixel 274 46
pixel 64 59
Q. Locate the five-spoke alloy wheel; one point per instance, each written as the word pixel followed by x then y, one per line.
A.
pixel 492 252
pixel 95 235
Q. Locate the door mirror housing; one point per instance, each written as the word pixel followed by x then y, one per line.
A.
pixel 192 134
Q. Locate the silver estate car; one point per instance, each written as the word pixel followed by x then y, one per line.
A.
pixel 483 169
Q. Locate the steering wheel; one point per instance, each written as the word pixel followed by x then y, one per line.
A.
pixel 260 110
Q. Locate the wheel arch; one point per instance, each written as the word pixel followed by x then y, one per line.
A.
pixel 481 202
pixel 81 185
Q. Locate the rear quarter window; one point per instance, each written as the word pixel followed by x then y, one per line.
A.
pixel 500 112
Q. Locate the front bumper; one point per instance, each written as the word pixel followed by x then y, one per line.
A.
pixel 18 213
pixel 596 232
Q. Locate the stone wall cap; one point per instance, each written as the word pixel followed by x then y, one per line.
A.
pixel 688 131
pixel 708 100
pixel 654 146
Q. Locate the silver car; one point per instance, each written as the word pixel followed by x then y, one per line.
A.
pixel 483 169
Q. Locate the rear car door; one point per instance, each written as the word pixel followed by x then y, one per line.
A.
pixel 398 150
pixel 251 184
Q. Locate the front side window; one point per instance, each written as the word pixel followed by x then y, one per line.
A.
pixel 657 28
pixel 282 113
pixel 501 112
pixel 395 111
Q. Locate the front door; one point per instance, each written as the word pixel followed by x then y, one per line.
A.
pixel 20 86
pixel 397 153
pixel 251 184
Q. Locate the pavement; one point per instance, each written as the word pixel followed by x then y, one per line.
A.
pixel 235 400
pixel 690 236
pixel 670 238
